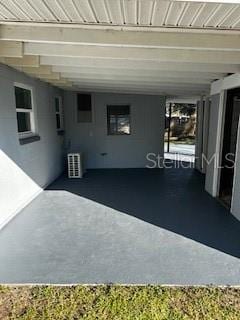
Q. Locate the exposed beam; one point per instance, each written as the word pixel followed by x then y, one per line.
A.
pixel 66 84
pixel 60 81
pixel 191 100
pixel 139 64
pixel 59 85
pixel 145 86
pixel 38 70
pixel 232 81
pixel 75 87
pixel 52 76
pixel 115 90
pixel 103 71
pixel 155 91
pixel 167 55
pixel 136 78
pixel 25 61
pixel 11 49
pixel 128 91
pixel 127 27
pixel 158 39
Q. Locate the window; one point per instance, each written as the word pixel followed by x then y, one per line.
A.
pixel 118 120
pixel 59 113
pixel 24 109
pixel 84 108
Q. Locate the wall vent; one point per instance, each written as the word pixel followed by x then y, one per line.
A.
pixel 75 165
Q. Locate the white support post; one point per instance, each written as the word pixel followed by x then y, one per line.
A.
pixel 219 138
pixel 205 131
pixel 199 135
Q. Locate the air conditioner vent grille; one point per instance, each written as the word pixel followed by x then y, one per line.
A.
pixel 75 165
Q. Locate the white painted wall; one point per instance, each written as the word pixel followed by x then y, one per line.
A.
pixel 147 130
pixel 26 169
pixel 212 143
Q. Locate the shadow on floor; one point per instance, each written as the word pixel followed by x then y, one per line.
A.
pixel 173 199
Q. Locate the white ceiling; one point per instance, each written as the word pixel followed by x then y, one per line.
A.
pixel 175 48
pixel 192 14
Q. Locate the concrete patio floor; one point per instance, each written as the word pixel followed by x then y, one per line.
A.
pixel 123 226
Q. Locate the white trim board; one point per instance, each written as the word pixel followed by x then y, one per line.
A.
pixel 235 207
pixel 230 82
pixel 219 142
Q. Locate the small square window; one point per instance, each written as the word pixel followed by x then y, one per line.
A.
pixel 84 108
pixel 118 120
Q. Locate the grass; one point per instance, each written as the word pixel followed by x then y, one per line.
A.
pixel 188 141
pixel 118 302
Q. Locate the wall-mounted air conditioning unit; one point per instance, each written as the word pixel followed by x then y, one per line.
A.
pixel 75 165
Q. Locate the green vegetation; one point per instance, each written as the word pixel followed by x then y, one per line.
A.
pixel 119 302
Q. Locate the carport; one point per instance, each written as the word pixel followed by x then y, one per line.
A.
pixel 123 226
pixel 93 77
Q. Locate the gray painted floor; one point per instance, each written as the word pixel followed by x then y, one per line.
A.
pixel 123 226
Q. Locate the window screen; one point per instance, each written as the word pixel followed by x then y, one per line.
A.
pixel 84 108
pixel 23 121
pixel 23 98
pixel 118 120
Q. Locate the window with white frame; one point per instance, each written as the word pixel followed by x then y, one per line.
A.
pixel 24 109
pixel 59 113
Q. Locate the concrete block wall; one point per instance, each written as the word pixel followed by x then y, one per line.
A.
pixel 128 151
pixel 26 169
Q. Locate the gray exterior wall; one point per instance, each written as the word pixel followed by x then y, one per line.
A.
pixel 212 141
pixel 147 131
pixel 26 169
